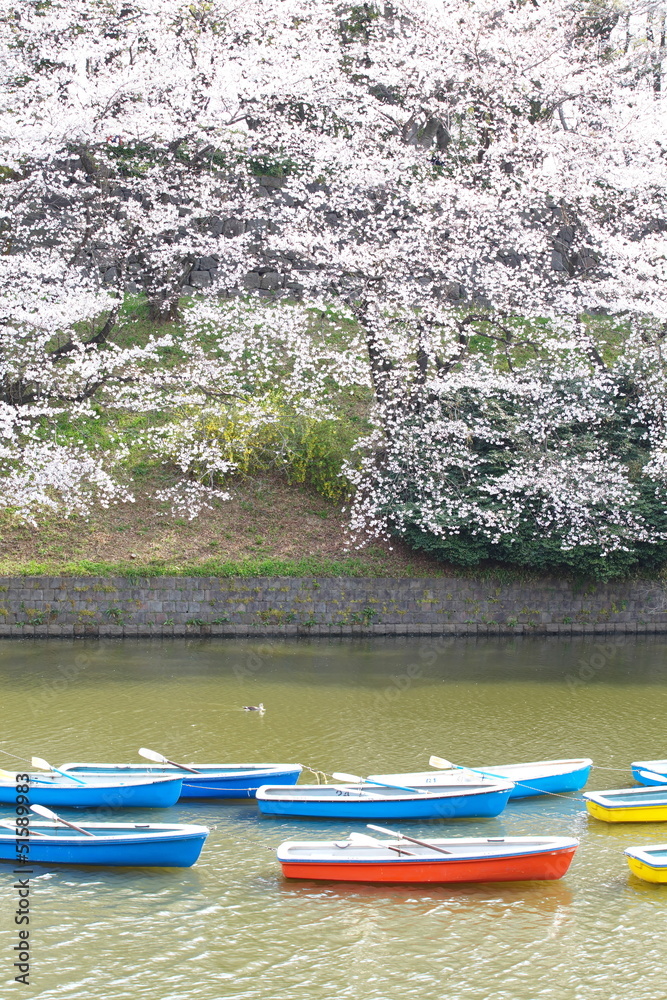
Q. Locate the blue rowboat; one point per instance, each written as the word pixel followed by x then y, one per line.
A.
pixel 213 781
pixel 98 791
pixel 536 778
pixel 359 802
pixel 659 767
pixel 136 844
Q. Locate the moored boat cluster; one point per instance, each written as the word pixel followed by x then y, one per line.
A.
pixel 448 791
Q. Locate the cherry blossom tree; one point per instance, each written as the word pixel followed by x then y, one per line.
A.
pixel 469 185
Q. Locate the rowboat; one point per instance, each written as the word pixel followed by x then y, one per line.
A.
pixel 97 791
pixel 212 781
pixel 357 801
pixel 648 863
pixel 629 805
pixel 492 859
pixel 536 778
pixel 161 845
pixel 659 766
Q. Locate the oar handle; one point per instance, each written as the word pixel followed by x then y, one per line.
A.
pixel 183 767
pixel 29 829
pixel 447 764
pixel 361 839
pixel 404 788
pixel 412 840
pixel 340 776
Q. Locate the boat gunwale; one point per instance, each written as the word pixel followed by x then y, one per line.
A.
pixel 640 794
pixel 203 770
pixel 641 854
pixel 540 846
pixel 130 834
pixel 296 793
pixel 57 781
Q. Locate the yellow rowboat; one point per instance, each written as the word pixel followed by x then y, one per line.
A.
pixel 647 804
pixel 648 863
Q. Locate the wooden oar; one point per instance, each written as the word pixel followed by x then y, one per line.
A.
pixel 48 814
pixel 412 840
pixel 654 776
pixel 33 833
pixel 363 838
pixel 383 784
pixel 44 764
pixel 159 759
pixel 447 764
pixel 11 776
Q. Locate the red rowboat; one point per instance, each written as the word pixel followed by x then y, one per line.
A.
pixel 488 859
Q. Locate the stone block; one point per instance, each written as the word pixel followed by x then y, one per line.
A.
pixel 200 279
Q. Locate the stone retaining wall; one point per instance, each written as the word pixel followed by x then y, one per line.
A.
pixel 120 606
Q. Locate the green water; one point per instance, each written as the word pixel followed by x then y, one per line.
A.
pixel 232 927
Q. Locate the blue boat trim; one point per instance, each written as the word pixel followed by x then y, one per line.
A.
pixel 216 781
pixel 534 778
pixel 357 802
pixel 113 844
pixel 98 791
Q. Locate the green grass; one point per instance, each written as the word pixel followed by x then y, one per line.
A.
pixel 364 565
pixel 355 566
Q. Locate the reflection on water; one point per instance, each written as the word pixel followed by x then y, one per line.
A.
pixel 233 927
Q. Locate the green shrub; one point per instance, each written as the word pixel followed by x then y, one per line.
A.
pixel 309 451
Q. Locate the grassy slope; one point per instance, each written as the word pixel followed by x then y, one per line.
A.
pixel 267 528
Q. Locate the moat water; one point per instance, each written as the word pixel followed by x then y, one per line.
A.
pixel 233 927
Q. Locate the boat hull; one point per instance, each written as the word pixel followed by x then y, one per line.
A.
pixel 536 778
pixel 530 779
pixel 648 863
pixel 658 767
pixel 539 864
pixel 216 781
pixel 153 792
pixel 629 805
pixel 351 802
pixel 118 844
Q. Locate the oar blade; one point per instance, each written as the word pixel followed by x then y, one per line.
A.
pixel 654 776
pixel 440 762
pixel 46 813
pixel 339 776
pixel 363 838
pixel 411 840
pixel 44 764
pixel 158 758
